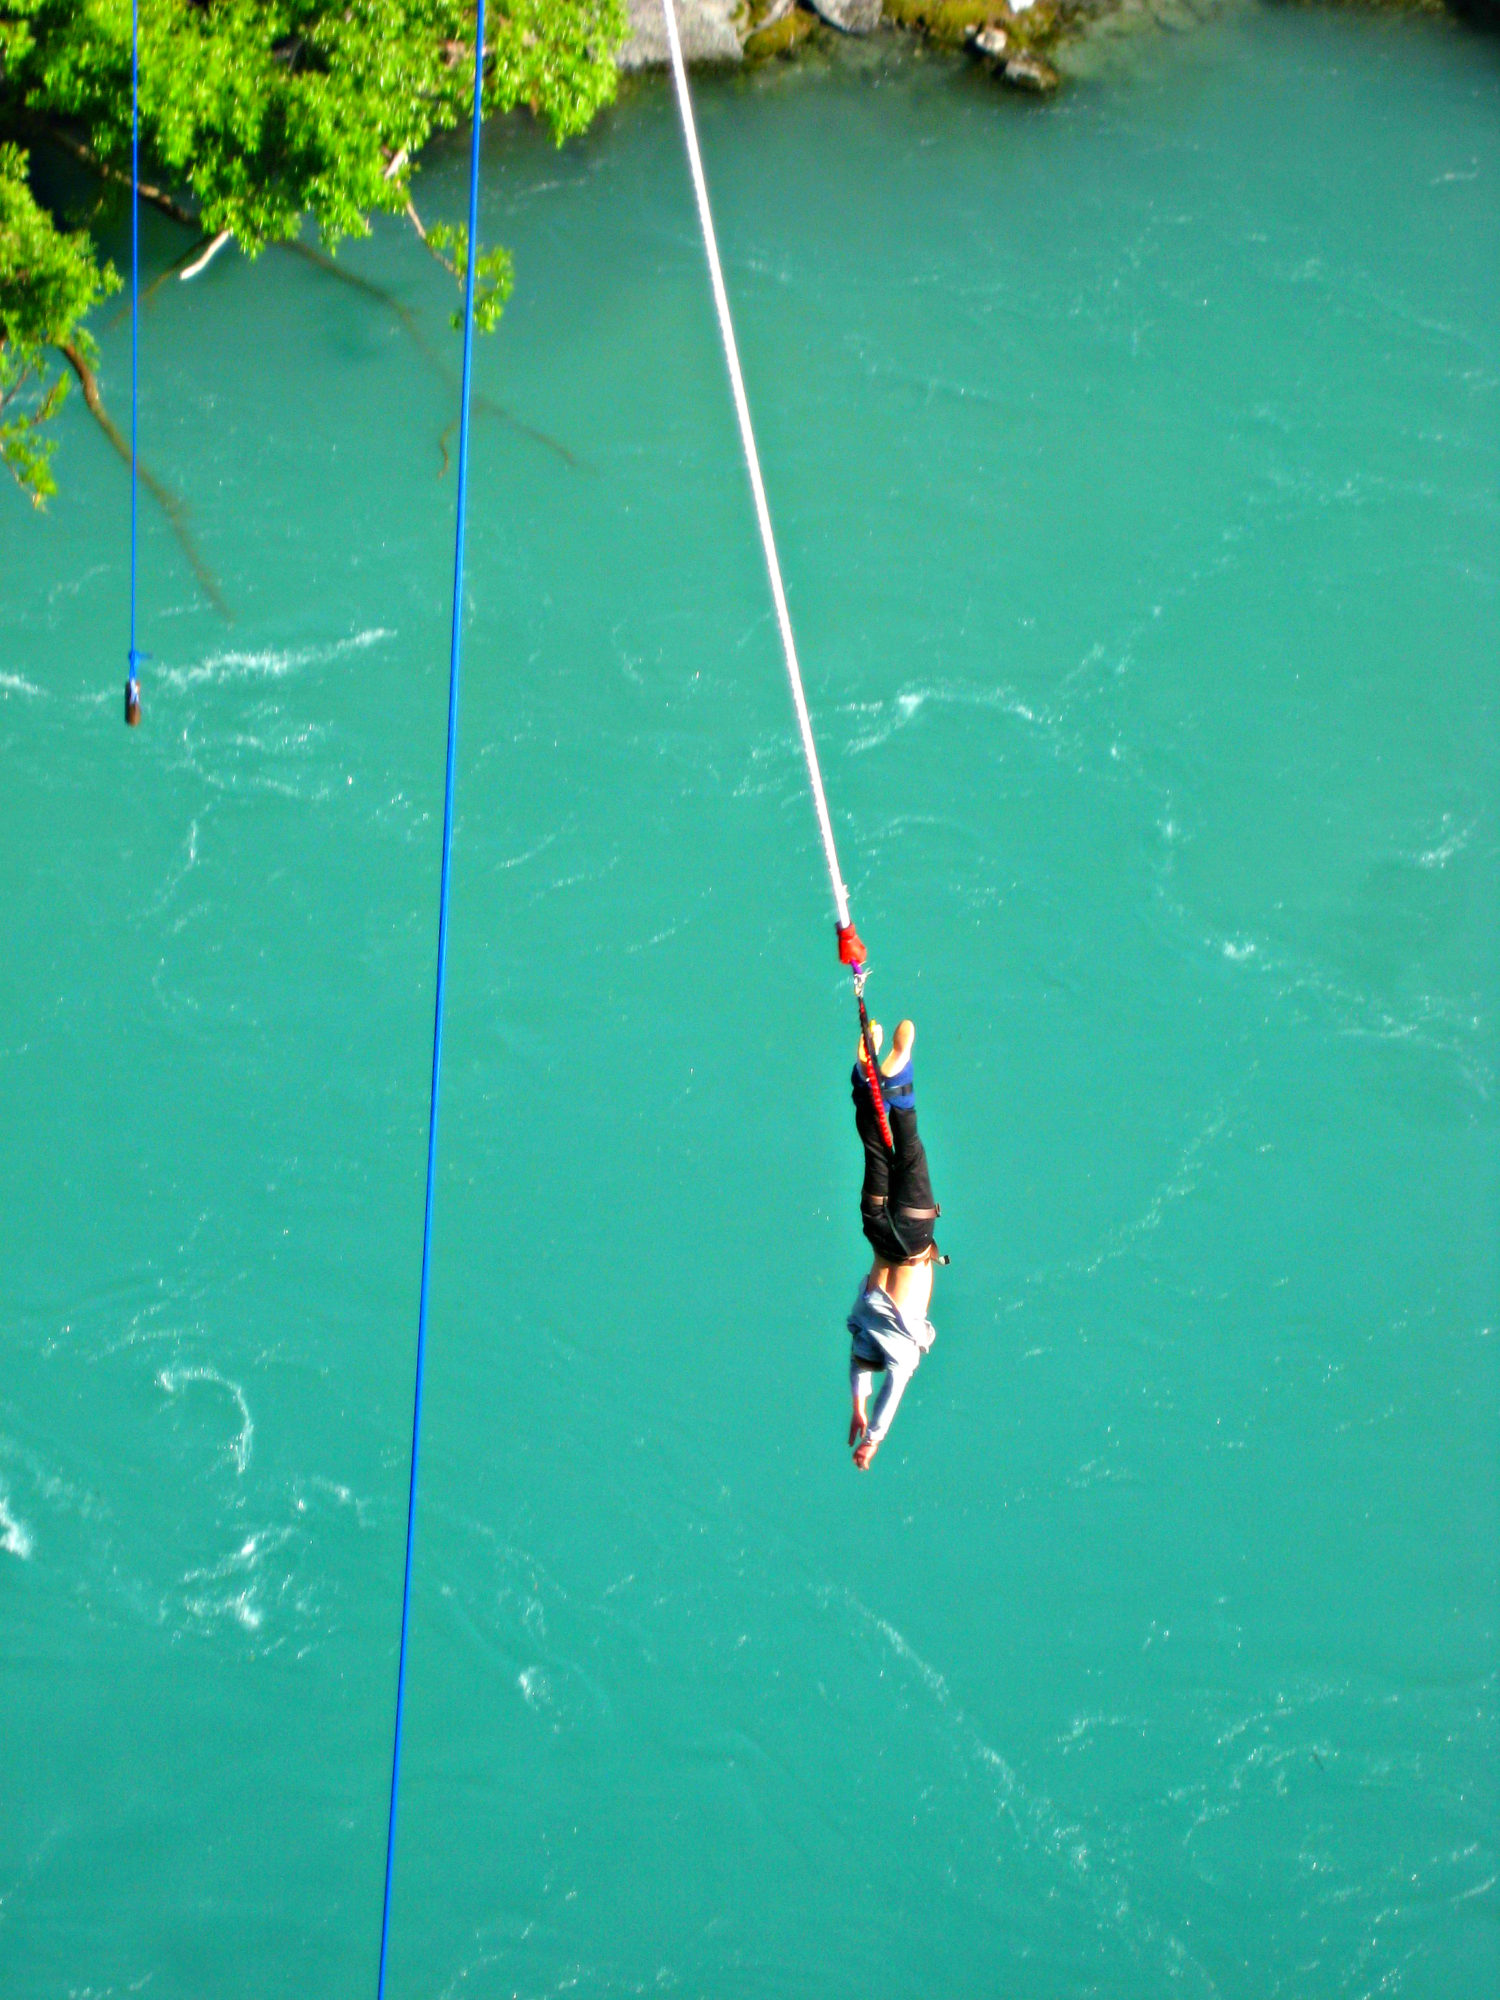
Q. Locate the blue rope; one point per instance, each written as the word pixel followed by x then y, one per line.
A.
pixel 133 676
pixel 442 969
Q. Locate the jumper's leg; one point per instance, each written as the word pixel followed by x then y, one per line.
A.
pixel 900 1050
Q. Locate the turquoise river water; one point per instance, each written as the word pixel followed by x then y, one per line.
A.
pixel 1135 462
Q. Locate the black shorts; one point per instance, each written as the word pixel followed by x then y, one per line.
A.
pixel 897 1239
pixel 897 1206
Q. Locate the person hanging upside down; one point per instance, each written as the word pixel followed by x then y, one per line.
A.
pixel 888 1324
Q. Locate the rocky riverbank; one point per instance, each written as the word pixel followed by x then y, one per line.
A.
pixel 1012 37
pixel 1015 40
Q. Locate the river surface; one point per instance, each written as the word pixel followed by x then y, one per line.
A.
pixel 1135 460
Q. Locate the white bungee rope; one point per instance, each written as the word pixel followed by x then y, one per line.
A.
pixel 752 465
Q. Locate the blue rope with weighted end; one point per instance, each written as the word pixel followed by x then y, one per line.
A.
pixel 133 675
pixel 442 970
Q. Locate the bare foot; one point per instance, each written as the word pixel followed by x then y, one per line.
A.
pixel 876 1035
pixel 865 1453
pixel 901 1048
pixel 858 1424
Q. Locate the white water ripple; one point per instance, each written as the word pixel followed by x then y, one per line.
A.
pixel 175 1380
pixel 902 709
pixel 15 1536
pixel 1039 1821
pixel 271 663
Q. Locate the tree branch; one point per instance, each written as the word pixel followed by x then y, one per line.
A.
pixel 168 272
pixel 202 262
pixel 427 244
pixel 158 197
pixel 168 501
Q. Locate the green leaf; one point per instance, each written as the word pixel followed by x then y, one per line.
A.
pixel 48 280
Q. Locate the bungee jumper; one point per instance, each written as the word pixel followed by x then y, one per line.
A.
pixel 888 1324
pixel 889 1329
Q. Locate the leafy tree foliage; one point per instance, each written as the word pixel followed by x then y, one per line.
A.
pixel 48 281
pixel 258 113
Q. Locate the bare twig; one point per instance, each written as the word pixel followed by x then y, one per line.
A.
pixel 149 292
pixel 201 263
pixel 427 243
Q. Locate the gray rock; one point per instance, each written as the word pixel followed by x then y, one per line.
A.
pixel 707 29
pixel 991 42
pixel 850 17
pixel 1029 72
